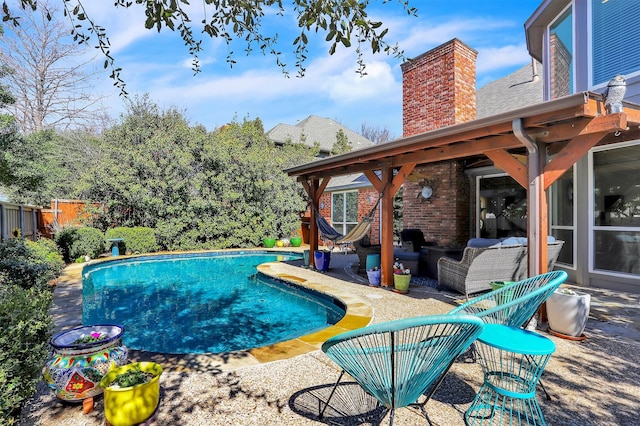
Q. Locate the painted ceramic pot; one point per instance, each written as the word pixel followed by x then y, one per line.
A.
pixel 77 364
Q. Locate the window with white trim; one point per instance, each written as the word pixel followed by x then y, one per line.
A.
pixel 344 210
pixel 616 209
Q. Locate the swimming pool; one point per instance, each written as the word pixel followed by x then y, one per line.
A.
pixel 202 303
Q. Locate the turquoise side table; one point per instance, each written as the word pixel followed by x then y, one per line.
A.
pixel 114 245
pixel 512 361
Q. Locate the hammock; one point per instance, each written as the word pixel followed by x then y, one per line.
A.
pixel 356 234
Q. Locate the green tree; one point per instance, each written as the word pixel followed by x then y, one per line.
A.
pixel 342 144
pixel 39 167
pixel 341 23
pixel 8 127
pixel 197 189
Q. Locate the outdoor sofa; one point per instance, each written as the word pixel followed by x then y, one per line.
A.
pixel 503 260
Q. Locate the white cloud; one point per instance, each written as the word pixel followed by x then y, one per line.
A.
pixel 493 58
pixel 350 87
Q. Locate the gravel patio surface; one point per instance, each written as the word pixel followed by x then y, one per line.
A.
pixel 593 382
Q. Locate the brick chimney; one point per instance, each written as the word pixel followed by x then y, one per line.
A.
pixel 439 88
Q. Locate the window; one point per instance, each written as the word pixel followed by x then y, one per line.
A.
pixel 561 55
pixel 561 205
pixel 502 207
pixel 615 37
pixel 616 209
pixel 344 210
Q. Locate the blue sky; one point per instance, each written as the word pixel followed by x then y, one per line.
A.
pixel 159 64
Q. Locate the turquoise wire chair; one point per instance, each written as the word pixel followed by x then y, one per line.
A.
pixel 398 361
pixel 514 304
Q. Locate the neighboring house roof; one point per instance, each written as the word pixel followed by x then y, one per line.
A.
pixel 520 89
pixel 345 182
pixel 316 129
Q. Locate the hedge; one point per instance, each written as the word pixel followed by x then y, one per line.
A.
pixel 136 240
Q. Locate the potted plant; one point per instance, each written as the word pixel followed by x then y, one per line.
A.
pixel 296 240
pixel 321 259
pixel 401 278
pixel 567 312
pixel 374 276
pixel 131 393
pixel 80 358
pixel 268 242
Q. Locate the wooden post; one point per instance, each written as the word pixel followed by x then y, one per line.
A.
pixel 386 219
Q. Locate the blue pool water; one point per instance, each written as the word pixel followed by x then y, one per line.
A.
pixel 203 303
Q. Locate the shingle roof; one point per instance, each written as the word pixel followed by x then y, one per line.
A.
pixel 316 129
pixel 517 90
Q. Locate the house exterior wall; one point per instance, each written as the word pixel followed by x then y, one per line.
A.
pixel 439 90
pixel 541 45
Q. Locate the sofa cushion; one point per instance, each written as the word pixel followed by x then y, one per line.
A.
pixel 512 241
pixel 483 242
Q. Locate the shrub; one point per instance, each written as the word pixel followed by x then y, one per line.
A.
pixel 88 241
pixel 78 242
pixel 26 329
pixel 25 268
pixel 25 265
pixel 64 239
pixel 45 252
pixel 136 240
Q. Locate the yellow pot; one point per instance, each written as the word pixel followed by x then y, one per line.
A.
pixel 134 404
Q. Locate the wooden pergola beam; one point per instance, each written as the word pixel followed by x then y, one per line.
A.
pixel 507 162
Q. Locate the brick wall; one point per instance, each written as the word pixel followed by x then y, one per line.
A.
pixel 439 89
pixel 443 218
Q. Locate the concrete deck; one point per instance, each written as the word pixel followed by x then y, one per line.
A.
pixel 593 382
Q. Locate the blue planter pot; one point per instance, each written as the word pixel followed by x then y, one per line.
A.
pixel 322 259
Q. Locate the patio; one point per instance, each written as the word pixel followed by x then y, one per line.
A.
pixel 594 382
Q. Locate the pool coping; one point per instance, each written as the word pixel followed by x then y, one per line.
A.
pixel 359 313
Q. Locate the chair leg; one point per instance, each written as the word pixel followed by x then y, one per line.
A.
pixel 432 391
pixel 333 390
pixel 546 394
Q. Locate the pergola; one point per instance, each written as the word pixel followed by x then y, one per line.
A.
pixel 555 134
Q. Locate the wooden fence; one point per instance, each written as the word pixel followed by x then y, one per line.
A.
pixel 33 222
pixel 17 218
